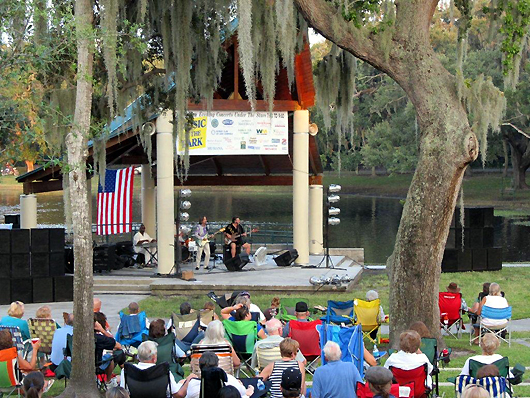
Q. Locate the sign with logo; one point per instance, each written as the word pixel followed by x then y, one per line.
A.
pixel 238 133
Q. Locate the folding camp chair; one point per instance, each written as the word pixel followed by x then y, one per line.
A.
pixel 186 329
pixel 497 387
pixel 363 390
pixel 429 347
pixel 495 313
pixel 502 364
pixel 10 376
pixel 266 355
pixel 16 335
pixel 339 312
pixel 166 352
pixel 152 382
pixel 243 335
pixel 367 315
pixel 206 316
pixel 224 300
pixel 131 329
pixel 43 329
pixel 418 376
pixel 223 352
pixel 307 336
pixel 450 305
pixel 287 308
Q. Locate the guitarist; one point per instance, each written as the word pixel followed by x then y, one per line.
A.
pixel 201 236
pixel 234 234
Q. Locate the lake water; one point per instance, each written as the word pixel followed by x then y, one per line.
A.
pixel 366 222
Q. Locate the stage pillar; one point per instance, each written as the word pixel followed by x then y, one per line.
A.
pixel 165 193
pixel 28 211
pixel 316 234
pixel 148 201
pixel 301 186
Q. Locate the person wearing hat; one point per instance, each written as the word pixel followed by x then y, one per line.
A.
pixel 301 312
pixel 380 381
pixel 291 384
pixel 453 288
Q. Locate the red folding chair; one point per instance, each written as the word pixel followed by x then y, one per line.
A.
pixel 307 336
pixel 450 305
pixel 363 390
pixel 416 376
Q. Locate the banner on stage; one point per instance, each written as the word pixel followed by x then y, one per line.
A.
pixel 238 133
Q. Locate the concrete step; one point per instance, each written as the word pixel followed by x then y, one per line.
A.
pixel 122 288
pixel 122 281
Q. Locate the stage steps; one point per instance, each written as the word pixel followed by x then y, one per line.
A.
pixel 116 284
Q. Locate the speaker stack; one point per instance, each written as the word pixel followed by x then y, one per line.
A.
pixel 32 264
pixel 477 252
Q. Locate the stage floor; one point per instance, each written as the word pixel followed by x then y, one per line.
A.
pixel 267 278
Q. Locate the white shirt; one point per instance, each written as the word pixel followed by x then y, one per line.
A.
pixel 495 302
pixel 138 237
pixel 255 308
pixel 485 359
pixel 143 365
pixel 194 387
pixel 408 361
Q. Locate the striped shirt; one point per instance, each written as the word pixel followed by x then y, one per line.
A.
pixel 276 376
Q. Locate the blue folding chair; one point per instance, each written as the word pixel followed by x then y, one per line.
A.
pixel 350 340
pixel 339 312
pixel 499 314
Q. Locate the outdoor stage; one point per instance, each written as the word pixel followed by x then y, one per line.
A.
pixel 268 278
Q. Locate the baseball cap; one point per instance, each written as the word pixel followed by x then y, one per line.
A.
pixel 301 306
pixel 291 379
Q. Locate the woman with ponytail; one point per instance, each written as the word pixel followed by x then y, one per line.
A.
pixel 33 385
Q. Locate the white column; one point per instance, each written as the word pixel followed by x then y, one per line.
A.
pixel 301 186
pixel 165 195
pixel 28 211
pixel 148 200
pixel 316 234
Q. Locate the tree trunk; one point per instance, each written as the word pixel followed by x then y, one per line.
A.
pixel 83 381
pixel 520 146
pixel 519 170
pixel 506 158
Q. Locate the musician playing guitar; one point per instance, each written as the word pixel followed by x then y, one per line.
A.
pixel 234 234
pixel 201 236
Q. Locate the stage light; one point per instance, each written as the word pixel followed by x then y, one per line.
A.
pixel 185 193
pixel 334 188
pixel 184 216
pixel 334 211
pixel 185 205
pixel 333 221
pixel 333 198
pixel 313 129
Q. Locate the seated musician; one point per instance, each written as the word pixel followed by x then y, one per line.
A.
pixel 141 238
pixel 234 234
pixel 201 236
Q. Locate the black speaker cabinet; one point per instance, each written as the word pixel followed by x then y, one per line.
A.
pixel 450 260
pixel 5 266
pixel 5 241
pixel 20 266
pixel 480 259
pixel 494 258
pixel 56 242
pixel 488 214
pixel 451 239
pixel 20 241
pixel 40 265
pixel 488 235
pixel 13 219
pixel 5 292
pixel 42 290
pixel 57 264
pixel 63 288
pixel 237 263
pixel 286 258
pixel 22 290
pixel 475 215
pixel 40 241
pixel 465 260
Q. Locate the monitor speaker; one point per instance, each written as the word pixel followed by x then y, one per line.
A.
pixel 57 264
pixel 488 237
pixel 56 242
pixel 42 290
pixel 63 288
pixel 286 258
pixel 22 290
pixel 40 241
pixel 5 292
pixel 450 260
pixel 20 241
pixel 5 241
pixel 40 265
pixel 20 266
pixel 238 262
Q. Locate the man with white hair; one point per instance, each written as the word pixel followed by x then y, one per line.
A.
pixel 336 379
pixel 274 329
pixel 147 355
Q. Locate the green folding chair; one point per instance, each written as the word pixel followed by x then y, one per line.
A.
pixel 165 351
pixel 502 364
pixel 243 336
pixel 287 308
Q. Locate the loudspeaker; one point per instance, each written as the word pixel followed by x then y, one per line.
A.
pixel 63 288
pixel 5 292
pixel 488 235
pixel 450 260
pixel 40 265
pixel 20 266
pixel 20 241
pixel 488 215
pixel 480 259
pixel 40 241
pixel 5 241
pixel 57 264
pixel 286 258
pixel 474 238
pixel 56 242
pixel 5 265
pixel 238 262
pixel 22 290
pixel 42 290
pixel 494 258
pixel 13 219
pixel 465 260
pixel 475 215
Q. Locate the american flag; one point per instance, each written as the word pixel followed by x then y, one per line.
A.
pixel 115 202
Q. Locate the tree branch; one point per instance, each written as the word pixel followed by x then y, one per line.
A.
pixel 517 129
pixel 145 76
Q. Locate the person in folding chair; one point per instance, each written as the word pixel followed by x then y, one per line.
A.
pixel 493 300
pixel 380 381
pixel 6 343
pixel 132 326
pixel 242 313
pixel 451 306
pixel 408 356
pixel 489 344
pixel 301 313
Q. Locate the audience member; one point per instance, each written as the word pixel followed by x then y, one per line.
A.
pixel 104 341
pixel 408 358
pixel 488 371
pixel 97 308
pixel 272 311
pixel 242 313
pixel 453 288
pixel 273 371
pixel 291 384
pixel 59 341
pixel 489 344
pixel 380 381
pixel 336 379
pixel 132 327
pixel 210 306
pixel 301 311
pixel 274 337
pixel 33 385
pixel 207 361
pixel 14 318
pixel 372 295
pixel 476 305
pixel 6 342
pixel 215 335
pixel 185 308
pixel 494 300
pixel 157 329
pixel 229 392
pixel 422 330
pixel 43 312
pixel 253 307
pixel 475 391
pixel 117 392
